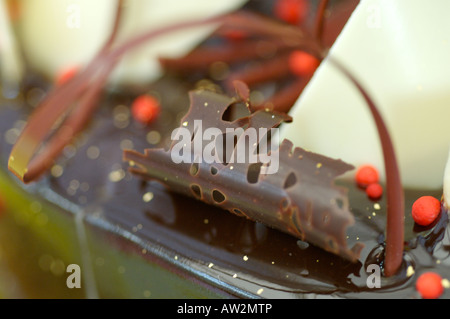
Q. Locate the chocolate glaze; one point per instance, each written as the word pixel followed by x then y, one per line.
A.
pixel 201 235
pixel 230 253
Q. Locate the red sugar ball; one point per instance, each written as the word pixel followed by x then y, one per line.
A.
pixel 66 74
pixel 374 191
pixel 291 11
pixel 235 35
pixel 425 210
pixel 145 109
pixel 302 63
pixel 429 285
pixel 366 175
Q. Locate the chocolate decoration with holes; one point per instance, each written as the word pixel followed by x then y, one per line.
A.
pixel 299 198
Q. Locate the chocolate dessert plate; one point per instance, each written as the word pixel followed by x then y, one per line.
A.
pixel 128 235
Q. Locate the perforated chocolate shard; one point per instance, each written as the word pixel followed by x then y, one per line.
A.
pixel 286 188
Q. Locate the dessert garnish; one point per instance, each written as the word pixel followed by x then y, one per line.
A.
pixel 72 104
pixel 395 194
pixel 145 108
pixel 66 74
pixel 425 210
pixel 300 198
pixel 366 175
pixel 291 11
pixel 429 285
pixel 367 178
pixel 374 191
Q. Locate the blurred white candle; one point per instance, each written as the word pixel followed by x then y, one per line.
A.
pixel 57 34
pixel 11 66
pixel 400 51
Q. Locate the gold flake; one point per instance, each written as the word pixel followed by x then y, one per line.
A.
pixel 11 136
pixel 147 197
pixel 126 144
pixel 56 170
pixel 154 137
pixel 93 152
pixel 117 175
pixel 74 184
pixel 410 271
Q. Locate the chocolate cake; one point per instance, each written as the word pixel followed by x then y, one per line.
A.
pixel 107 198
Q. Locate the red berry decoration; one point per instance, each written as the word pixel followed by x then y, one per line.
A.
pixel 66 74
pixel 366 175
pixel 302 63
pixel 235 35
pixel 425 210
pixel 429 285
pixel 374 191
pixel 291 11
pixel 145 109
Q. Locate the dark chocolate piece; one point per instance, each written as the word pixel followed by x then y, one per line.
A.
pixel 300 198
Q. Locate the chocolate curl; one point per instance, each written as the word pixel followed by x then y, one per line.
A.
pixel 202 58
pixel 300 198
pixel 73 103
pixel 395 193
pixel 320 17
pixel 78 99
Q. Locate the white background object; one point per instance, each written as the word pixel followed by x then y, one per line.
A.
pixel 57 34
pixel 11 66
pixel 400 51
